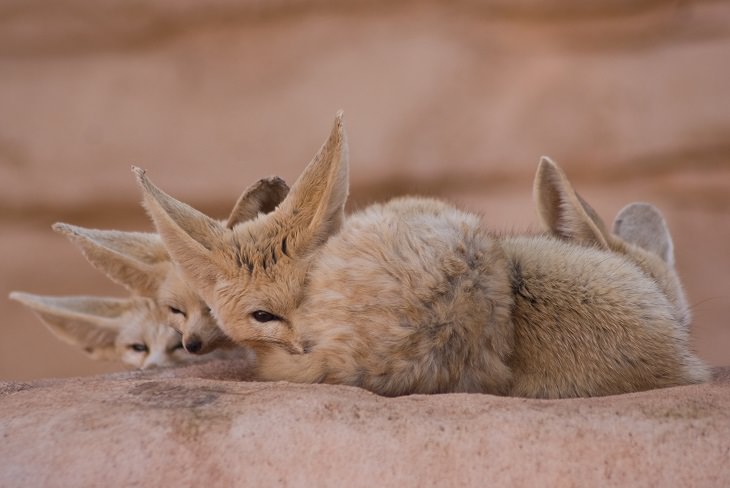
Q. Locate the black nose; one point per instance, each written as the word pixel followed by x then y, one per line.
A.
pixel 193 345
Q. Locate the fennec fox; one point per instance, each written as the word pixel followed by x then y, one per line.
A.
pixel 139 262
pixel 639 231
pixel 415 296
pixel 131 330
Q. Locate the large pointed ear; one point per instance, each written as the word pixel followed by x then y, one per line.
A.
pixel 195 242
pixel 315 206
pixel 91 323
pixel 643 225
pixel 261 197
pixel 563 211
pixel 138 261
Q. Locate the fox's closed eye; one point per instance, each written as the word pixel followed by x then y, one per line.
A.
pixel 264 316
pixel 138 347
pixel 176 310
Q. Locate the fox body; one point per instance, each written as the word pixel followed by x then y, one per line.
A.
pixel 409 300
pixel 416 296
pixel 640 232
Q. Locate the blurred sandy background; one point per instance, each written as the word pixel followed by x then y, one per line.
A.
pixel 456 99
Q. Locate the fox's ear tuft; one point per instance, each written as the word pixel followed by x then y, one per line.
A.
pixel 315 206
pixel 190 236
pixel 136 260
pixel 261 197
pixel 643 225
pixel 562 211
pixel 91 323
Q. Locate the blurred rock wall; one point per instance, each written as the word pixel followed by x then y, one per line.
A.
pixel 454 99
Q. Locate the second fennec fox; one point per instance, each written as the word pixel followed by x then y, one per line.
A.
pixel 139 262
pixel 415 296
pixel 131 330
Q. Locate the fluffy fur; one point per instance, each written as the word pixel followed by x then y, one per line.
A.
pixel 130 330
pixel 416 296
pixel 139 262
pixel 640 232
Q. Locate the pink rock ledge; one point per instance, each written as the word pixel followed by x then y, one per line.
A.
pixel 202 425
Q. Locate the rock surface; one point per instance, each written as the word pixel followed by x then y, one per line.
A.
pixel 201 425
pixel 453 99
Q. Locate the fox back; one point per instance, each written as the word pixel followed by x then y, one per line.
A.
pixel 589 322
pixel 416 297
pixel 639 231
pixel 410 297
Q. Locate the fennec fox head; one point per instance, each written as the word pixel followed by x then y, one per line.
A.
pixel 139 262
pixel 639 231
pixel 130 330
pixel 252 274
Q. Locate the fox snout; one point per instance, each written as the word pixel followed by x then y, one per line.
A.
pixel 193 344
pixel 154 361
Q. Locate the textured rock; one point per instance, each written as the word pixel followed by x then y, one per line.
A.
pixel 191 426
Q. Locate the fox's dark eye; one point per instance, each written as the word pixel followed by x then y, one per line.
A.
pixel 176 310
pixel 138 347
pixel 206 310
pixel 263 316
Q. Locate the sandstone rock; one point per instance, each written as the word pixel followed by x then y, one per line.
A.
pixel 199 426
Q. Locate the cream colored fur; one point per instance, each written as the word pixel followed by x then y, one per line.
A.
pixel 139 262
pixel 416 296
pixel 640 233
pixel 268 256
pixel 131 330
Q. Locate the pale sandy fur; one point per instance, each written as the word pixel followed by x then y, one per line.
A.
pixel 639 231
pixel 405 301
pixel 398 302
pixel 165 314
pixel 109 328
pixel 587 322
pixel 416 296
pixel 139 262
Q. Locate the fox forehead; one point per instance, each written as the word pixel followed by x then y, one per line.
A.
pixel 259 245
pixel 176 290
pixel 276 287
pixel 145 324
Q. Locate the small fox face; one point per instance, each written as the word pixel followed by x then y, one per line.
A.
pixel 139 262
pixel 146 341
pixel 254 304
pixel 252 274
pixel 190 316
pixel 129 330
